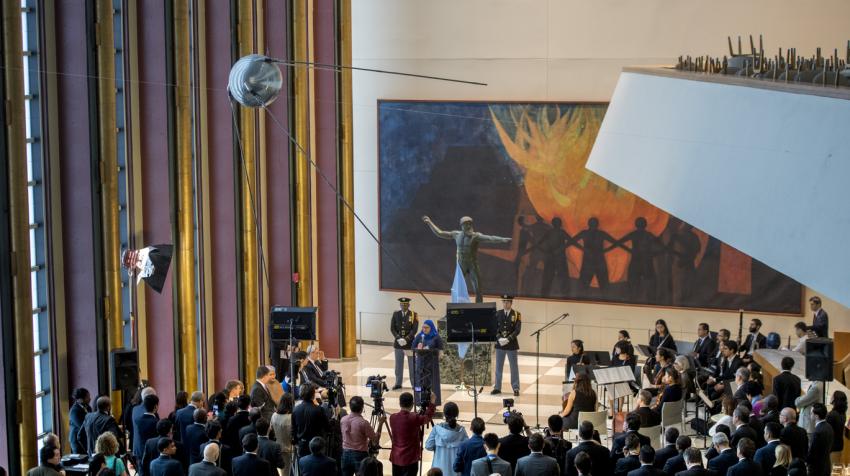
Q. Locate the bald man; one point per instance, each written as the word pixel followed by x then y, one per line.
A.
pixel 207 467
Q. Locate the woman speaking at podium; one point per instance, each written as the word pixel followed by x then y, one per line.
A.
pixel 428 362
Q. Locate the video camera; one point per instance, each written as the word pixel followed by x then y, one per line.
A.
pixel 378 386
pixel 508 403
pixel 335 387
pixel 424 399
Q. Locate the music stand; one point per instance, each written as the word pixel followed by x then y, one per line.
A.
pixel 290 324
pixel 615 377
pixel 599 357
pixel 647 351
pixel 471 323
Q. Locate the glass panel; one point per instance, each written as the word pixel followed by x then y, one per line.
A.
pixel 37 368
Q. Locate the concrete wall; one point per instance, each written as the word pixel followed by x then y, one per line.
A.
pixel 559 50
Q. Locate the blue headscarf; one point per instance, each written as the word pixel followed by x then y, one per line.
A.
pixel 428 339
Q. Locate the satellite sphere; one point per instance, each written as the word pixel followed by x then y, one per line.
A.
pixel 255 81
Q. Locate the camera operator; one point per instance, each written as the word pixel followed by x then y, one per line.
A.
pixel 308 419
pixel 357 435
pixel 407 431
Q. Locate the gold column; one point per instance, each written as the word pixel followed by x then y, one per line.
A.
pixel 346 182
pixel 109 182
pixel 186 322
pixel 303 221
pixel 19 221
pixel 247 179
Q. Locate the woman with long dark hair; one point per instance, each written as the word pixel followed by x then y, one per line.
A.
pixel 582 398
pixel 445 439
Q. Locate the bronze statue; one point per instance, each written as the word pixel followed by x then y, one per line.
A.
pixel 467 241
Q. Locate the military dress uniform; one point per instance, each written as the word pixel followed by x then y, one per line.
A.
pixel 508 326
pixel 404 325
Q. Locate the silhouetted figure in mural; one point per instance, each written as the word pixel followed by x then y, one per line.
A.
pixel 685 246
pixel 467 241
pixel 641 270
pixel 523 245
pixel 536 255
pixel 555 245
pixel 593 259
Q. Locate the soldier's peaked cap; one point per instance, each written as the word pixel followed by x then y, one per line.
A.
pixel 507 297
pixel 404 299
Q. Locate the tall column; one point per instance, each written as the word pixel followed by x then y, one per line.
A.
pixel 19 231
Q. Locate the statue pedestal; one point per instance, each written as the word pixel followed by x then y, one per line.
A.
pixel 454 370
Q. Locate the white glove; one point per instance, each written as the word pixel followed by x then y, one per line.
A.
pixel 402 342
pixel 503 341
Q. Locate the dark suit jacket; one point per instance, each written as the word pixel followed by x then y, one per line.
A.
pixel 646 470
pixel 766 456
pixel 537 464
pixel 77 416
pixel 697 471
pixel 513 447
pixel 819 449
pixel 250 464
pixel 599 458
pixel 309 421
pixel 151 453
pixel 469 451
pixel 728 372
pixel 648 417
pixel 786 387
pixel 166 466
pixel 260 397
pixel 312 465
pixel 620 443
pixel 249 428
pixel 796 438
pixel 744 431
pixel 722 462
pixel 745 467
pixel 182 419
pixel 230 436
pixel 270 451
pixel 705 351
pixel 205 468
pixel 144 428
pixel 821 323
pixel 675 464
pixel 625 465
pixel 195 436
pixel 96 424
pixel 225 455
pixel 761 342
pixel 663 454
pixel 771 416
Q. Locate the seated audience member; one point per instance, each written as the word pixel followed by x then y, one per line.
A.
pixel 582 398
pixel 688 375
pixel 671 434
pixel 632 427
pixel 471 449
pixel 677 463
pixel 672 392
pixel 728 406
pixel 405 426
pixel 370 466
pixel 755 340
pixel 596 454
pixel 630 459
pixel 49 457
pixel 801 330
pixel 693 461
pixel 726 456
pixel 793 435
pixel 766 455
pixel 648 416
pixel 99 422
pixel 196 435
pixel 786 385
pixel 208 466
pixel 745 465
pixel 165 464
pixel 316 463
pixel 490 463
pixel 705 346
pixel 725 371
pixel 514 445
pixel 536 463
pixel 722 336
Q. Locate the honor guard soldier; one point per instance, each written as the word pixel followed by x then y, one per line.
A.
pixel 403 327
pixel 508 326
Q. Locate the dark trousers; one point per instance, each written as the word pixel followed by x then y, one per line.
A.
pixel 351 461
pixel 409 470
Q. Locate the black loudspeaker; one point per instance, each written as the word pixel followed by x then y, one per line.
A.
pixel 819 359
pixel 125 369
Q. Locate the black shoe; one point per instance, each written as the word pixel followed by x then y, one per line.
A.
pixel 495 391
pixel 516 393
pixel 396 387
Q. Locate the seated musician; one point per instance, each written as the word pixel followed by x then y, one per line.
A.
pixel 577 357
pixel 623 340
pixel 625 355
pixel 672 388
pixel 664 358
pixel 755 340
pixel 582 398
pixel 660 339
pixel 725 372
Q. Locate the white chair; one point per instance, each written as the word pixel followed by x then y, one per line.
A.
pixel 598 419
pixel 654 435
pixel 671 414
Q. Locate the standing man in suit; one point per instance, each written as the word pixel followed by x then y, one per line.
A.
pixel 726 457
pixel 508 326
pixel 536 463
pixel 196 435
pixel 514 445
pixel 249 464
pixel 186 415
pixel 166 465
pixel 820 321
pixel 207 467
pixel 745 466
pixel 792 435
pixel 268 449
pixel 677 463
pixel 705 345
pixel 490 463
pixel 598 454
pixel 163 430
pixel 632 427
pixel 814 394
pixel 766 455
pixel 403 326
pixel 144 427
pixel 630 460
pixel 316 463
pixel 787 386
pixel 81 408
pixel 671 434
pixel 647 465
pixel 224 456
pixel 821 444
pixel 693 460
pixel 99 422
pixel 260 395
pixel 236 423
pixel 472 449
